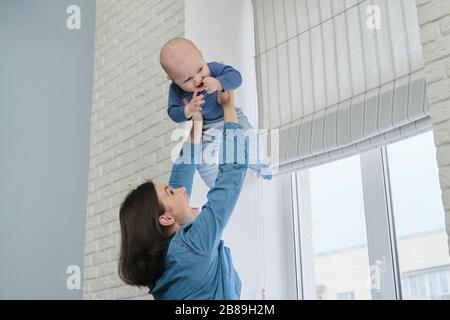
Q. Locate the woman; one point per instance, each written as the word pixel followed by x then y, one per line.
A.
pixel 172 248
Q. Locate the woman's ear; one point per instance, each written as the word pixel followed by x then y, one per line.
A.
pixel 166 220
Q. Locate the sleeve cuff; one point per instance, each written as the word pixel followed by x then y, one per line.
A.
pixel 221 83
pixel 232 125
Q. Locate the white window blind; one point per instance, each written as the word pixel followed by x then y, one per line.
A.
pixel 332 85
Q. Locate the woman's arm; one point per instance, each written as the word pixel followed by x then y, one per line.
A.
pixel 195 136
pixel 183 168
pixel 226 100
pixel 205 232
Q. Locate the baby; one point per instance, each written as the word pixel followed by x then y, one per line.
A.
pixel 194 88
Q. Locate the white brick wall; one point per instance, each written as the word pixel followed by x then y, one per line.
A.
pixel 130 135
pixel 434 20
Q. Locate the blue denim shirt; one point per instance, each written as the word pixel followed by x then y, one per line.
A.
pixel 229 78
pixel 198 265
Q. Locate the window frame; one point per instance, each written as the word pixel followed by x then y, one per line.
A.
pixel 384 268
pixel 383 253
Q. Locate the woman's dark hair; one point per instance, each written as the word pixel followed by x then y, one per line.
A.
pixel 144 241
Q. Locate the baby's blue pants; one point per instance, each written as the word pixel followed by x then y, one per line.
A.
pixel 211 140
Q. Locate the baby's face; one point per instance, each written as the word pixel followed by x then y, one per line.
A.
pixel 190 72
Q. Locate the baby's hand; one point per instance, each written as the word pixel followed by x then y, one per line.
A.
pixel 211 85
pixel 194 106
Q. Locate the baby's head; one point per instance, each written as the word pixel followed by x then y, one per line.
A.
pixel 184 64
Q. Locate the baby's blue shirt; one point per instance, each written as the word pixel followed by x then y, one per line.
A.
pixel 229 78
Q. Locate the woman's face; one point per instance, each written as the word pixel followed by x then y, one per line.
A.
pixel 176 202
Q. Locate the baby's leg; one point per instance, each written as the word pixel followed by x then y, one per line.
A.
pixel 255 149
pixel 211 140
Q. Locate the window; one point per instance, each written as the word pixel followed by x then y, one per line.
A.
pixel 334 210
pixel 419 217
pixel 372 226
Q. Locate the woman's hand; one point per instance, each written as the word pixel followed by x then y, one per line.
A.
pixel 226 100
pixel 197 116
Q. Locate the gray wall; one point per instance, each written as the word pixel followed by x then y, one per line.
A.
pixel 45 109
